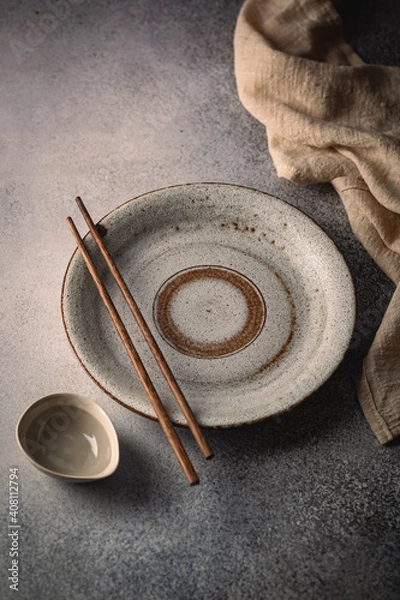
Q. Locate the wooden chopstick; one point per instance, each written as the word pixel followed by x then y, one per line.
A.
pixel 148 336
pixel 144 378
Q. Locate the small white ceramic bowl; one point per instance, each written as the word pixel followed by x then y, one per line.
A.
pixel 69 436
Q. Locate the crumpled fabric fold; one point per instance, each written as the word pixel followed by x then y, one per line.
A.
pixel 331 118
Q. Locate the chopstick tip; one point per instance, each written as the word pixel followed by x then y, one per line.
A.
pixel 73 228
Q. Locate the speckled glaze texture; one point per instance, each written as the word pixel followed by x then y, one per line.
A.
pixel 110 100
pixel 254 303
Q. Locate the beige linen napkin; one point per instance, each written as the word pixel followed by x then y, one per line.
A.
pixel 330 117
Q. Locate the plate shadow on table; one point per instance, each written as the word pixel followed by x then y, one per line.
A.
pixel 332 407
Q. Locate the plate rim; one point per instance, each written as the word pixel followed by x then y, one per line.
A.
pixel 252 421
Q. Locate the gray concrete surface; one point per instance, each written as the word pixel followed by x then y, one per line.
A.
pixel 109 100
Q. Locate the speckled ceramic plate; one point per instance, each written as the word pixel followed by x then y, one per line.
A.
pixel 250 301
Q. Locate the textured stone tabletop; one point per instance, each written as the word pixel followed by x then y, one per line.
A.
pixel 108 100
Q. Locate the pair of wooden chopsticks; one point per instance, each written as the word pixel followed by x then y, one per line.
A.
pixel 141 371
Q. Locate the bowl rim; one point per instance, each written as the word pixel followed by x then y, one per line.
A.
pixel 70 399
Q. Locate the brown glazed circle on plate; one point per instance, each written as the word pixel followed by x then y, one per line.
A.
pixel 238 331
